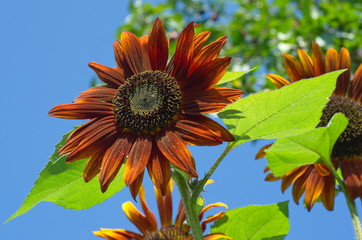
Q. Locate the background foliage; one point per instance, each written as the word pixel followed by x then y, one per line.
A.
pixel 259 31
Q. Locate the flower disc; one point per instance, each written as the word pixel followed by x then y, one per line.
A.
pixel 167 233
pixel 350 141
pixel 147 102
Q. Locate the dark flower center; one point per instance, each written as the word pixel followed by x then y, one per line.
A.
pixel 147 102
pixel 350 142
pixel 167 233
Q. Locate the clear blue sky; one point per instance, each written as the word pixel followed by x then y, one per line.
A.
pixel 44 51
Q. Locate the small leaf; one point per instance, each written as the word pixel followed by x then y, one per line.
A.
pixel 255 222
pixel 307 148
pixel 231 76
pixel 291 110
pixel 63 184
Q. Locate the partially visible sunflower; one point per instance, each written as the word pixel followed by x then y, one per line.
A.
pixel 316 180
pixel 168 229
pixel 150 108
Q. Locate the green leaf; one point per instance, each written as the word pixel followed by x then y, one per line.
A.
pixel 291 110
pixel 255 222
pixel 231 76
pixel 307 148
pixel 63 185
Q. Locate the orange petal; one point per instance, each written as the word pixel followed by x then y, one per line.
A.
pixel 352 173
pixel 299 186
pixel 322 169
pixel 181 215
pixel 207 53
pixel 138 158
pixel 277 80
pixel 313 188
pixel 344 78
pixel 114 157
pixel 199 41
pixel 183 54
pixel 202 131
pixel 82 110
pixel 159 170
pixel 175 150
pixel 206 76
pixel 211 100
pixel 261 153
pixel 146 57
pixel 307 64
pixel 293 175
pixel 332 60
pixel 117 234
pixel 102 93
pixel 147 211
pixel 93 166
pixel 158 46
pixel 216 236
pixel 96 141
pixel 112 76
pixel 293 67
pixel 135 186
pixel 137 218
pixel 318 60
pixel 164 204
pixel 328 193
pixel 355 91
pixel 210 206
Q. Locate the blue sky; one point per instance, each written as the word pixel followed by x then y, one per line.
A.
pixel 44 51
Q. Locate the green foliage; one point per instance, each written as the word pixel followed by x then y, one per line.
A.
pixel 255 222
pixel 291 110
pixel 307 148
pixel 259 31
pixel 232 76
pixel 63 185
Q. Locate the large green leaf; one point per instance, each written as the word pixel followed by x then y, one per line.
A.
pixel 307 148
pixel 255 222
pixel 291 110
pixel 231 76
pixel 63 185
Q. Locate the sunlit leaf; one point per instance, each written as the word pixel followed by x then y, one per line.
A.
pixel 63 185
pixel 307 148
pixel 255 222
pixel 231 76
pixel 291 110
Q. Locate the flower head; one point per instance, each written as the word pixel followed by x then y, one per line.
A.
pixel 315 180
pixel 149 108
pixel 168 229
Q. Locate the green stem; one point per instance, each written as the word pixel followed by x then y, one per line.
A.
pixel 191 214
pixel 351 204
pixel 200 186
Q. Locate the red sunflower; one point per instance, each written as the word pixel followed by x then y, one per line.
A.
pixel 150 108
pixel 315 180
pixel 148 226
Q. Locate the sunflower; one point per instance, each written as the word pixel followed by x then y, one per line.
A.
pixel 315 180
pixel 149 108
pixel 148 226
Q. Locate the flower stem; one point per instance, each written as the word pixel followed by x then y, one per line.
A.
pixel 191 214
pixel 200 186
pixel 350 203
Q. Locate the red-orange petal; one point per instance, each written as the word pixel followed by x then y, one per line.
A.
pixel 146 57
pixel 277 80
pixel 147 211
pixel 82 110
pixel 138 158
pixel 137 218
pixel 328 194
pixel 261 153
pixel 158 46
pixel 175 150
pixel 118 234
pixel 181 215
pixel 293 67
pixel 135 186
pixel 293 176
pixel 102 93
pixel 200 40
pixel 114 157
pixel 184 52
pixel 299 185
pixel 205 77
pixel 159 170
pixel 318 60
pixel 164 204
pixel 202 131
pixel 352 173
pixel 211 100
pixel 112 76
pixel 332 60
pixel 93 166
pixel 307 64
pixel 343 79
pixel 313 188
pixel 355 91
pixel 215 236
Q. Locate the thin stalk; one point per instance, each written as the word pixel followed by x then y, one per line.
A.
pixel 191 214
pixel 200 186
pixel 351 205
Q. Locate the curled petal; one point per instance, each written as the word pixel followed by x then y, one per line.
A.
pixel 277 80
pixel 148 213
pixel 261 153
pixel 210 206
pixel 137 218
pixel 112 76
pixel 293 176
pixel 216 236
pixel 102 93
